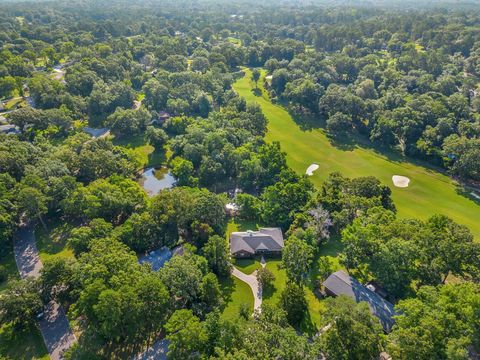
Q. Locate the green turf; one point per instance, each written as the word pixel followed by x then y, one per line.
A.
pixel 272 295
pixel 21 344
pixel 143 152
pixel 430 191
pixel 235 293
pixel 8 262
pixel 247 266
pixel 15 103
pixel 53 243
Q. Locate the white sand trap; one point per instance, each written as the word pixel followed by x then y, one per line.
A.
pixel 400 181
pixel 311 169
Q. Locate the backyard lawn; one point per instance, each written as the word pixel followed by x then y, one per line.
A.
pixel 272 295
pixel 429 192
pixel 22 344
pixel 53 244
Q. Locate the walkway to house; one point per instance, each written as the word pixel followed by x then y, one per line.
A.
pixel 54 325
pixel 252 281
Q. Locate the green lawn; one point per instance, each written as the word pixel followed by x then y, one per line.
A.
pixel 14 103
pixel 142 151
pixel 235 41
pixel 272 295
pixel 22 345
pixel 53 244
pixel 235 293
pixel 429 192
pixel 8 262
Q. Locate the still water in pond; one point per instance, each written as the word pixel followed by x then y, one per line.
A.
pixel 153 180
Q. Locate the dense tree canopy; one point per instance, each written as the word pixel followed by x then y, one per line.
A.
pixel 97 92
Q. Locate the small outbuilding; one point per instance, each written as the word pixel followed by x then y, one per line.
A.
pixel 340 283
pixel 266 241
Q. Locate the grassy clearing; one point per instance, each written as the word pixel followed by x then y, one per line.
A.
pixel 14 103
pixel 272 295
pixel 235 293
pixel 145 153
pixel 22 344
pixel 430 191
pixel 53 244
pixel 235 41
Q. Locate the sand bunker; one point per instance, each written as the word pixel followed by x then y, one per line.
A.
pixel 311 169
pixel 400 181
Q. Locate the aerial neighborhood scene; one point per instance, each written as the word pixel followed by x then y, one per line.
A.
pixel 240 179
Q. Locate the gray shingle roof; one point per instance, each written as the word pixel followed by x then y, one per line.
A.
pixel 270 239
pixel 340 283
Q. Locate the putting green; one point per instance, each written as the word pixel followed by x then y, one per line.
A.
pixel 429 191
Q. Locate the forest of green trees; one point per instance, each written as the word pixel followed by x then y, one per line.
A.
pixel 400 80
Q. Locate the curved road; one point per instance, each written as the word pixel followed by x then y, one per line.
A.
pixel 54 325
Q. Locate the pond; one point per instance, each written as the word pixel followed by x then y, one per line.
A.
pixel 153 180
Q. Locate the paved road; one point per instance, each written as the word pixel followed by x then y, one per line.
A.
pixel 26 253
pixel 158 351
pixel 252 281
pixel 54 326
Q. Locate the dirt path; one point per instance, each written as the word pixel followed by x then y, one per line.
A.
pixel 54 325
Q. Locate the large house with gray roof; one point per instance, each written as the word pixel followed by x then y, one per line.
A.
pixel 268 241
pixel 340 283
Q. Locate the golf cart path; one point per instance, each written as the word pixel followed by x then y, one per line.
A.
pixel 54 325
pixel 252 281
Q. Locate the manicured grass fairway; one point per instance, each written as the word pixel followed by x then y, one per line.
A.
pixel 429 192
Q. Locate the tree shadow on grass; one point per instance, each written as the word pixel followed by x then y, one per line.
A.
pixel 55 239
pixel 227 287
pixel 333 247
pixel 305 121
pixel 469 192
pixel 307 326
pixel 257 92
pixel 247 265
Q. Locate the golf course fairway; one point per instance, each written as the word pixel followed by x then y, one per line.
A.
pixel 429 191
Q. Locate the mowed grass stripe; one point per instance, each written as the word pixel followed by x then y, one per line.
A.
pixel 430 192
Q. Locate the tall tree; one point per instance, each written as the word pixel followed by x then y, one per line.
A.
pixel 349 330
pixel 297 257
